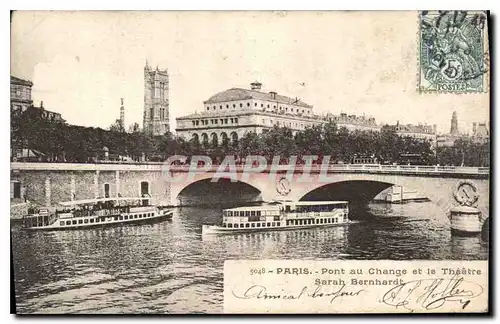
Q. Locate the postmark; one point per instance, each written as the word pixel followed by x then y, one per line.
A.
pixel 453 51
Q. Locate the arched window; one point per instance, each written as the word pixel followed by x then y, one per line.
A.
pixel 204 138
pixel 234 138
pixel 214 140
pixel 224 138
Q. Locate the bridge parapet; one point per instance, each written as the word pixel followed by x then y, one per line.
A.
pixel 423 170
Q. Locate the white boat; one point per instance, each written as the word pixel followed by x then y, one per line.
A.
pixel 281 216
pixel 399 194
pixel 79 214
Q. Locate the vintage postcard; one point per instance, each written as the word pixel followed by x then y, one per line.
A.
pixel 258 162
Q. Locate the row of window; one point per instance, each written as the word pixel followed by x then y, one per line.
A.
pixel 215 121
pixel 285 124
pixel 244 213
pixel 272 122
pixel 98 220
pixel 252 225
pixel 296 209
pixel 316 208
pixel 282 108
pixel 311 221
pixel 290 222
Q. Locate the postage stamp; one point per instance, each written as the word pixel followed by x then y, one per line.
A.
pixel 453 51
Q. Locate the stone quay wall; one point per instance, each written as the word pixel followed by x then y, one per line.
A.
pixel 50 184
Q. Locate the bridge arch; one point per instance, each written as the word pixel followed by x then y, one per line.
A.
pixel 221 192
pixel 356 191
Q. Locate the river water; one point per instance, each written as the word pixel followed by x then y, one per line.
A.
pixel 168 268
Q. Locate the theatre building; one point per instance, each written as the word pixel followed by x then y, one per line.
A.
pixel 229 114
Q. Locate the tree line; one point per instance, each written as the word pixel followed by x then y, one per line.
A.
pixel 60 142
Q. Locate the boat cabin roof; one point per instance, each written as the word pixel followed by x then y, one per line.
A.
pixel 93 201
pixel 309 203
pixel 287 203
pixel 250 208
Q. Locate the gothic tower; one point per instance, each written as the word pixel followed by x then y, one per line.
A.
pixel 454 124
pixel 156 101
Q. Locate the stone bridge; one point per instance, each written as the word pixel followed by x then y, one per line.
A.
pixel 49 183
pixel 356 183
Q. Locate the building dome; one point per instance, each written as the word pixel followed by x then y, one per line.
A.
pixel 229 95
pixel 237 94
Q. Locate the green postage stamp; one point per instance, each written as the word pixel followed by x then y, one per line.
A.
pixel 453 51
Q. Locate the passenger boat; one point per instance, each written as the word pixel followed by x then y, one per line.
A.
pixel 95 212
pixel 281 216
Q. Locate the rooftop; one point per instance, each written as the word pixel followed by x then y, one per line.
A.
pixel 248 111
pixel 245 94
pixel 16 80
pixel 410 128
pixel 343 118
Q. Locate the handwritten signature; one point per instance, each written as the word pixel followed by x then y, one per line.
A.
pixel 432 294
pixel 262 292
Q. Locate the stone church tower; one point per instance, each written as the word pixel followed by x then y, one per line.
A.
pixel 454 124
pixel 156 101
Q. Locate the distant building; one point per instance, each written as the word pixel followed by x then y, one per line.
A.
pixel 20 100
pixel 480 133
pixel 424 132
pixel 46 113
pixel 448 140
pixel 353 122
pixel 156 101
pixel 20 94
pixel 229 114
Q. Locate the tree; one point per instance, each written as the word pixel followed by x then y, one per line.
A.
pixel 61 142
pixel 117 126
pixel 134 128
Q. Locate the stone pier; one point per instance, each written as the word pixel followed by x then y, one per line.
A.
pixel 466 220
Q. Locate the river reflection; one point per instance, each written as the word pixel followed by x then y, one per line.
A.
pixel 170 268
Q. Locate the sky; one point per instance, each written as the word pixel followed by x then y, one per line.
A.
pixel 82 63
